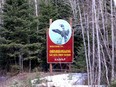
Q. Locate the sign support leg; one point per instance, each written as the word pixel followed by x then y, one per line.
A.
pixel 50 68
pixel 69 67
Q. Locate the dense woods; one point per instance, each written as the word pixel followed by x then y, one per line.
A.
pixel 23 25
pixel 23 32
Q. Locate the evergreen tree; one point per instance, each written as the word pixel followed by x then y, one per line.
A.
pixel 22 41
pixel 63 9
pixel 19 32
pixel 17 21
pixel 79 63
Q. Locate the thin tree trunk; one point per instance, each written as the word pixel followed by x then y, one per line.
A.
pixel 105 65
pixel 93 45
pixel 89 60
pixel 112 29
pixel 20 62
pixel 29 65
pixel 29 40
pixel 1 11
pixel 85 48
pixel 101 11
pixel 102 52
pixel 36 13
pixel 98 44
pixel 74 9
pixel 22 65
pixel 36 8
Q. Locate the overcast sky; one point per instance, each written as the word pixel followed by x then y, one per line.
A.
pixel 115 2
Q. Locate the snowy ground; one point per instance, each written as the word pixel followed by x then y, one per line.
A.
pixel 65 80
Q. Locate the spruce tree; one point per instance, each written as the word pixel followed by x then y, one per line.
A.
pixel 17 20
pixel 63 9
pixel 19 32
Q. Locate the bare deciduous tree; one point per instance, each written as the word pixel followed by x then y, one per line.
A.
pixel 98 16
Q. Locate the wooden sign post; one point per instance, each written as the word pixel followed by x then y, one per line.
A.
pixel 50 22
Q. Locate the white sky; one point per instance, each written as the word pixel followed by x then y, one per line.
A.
pixel 115 2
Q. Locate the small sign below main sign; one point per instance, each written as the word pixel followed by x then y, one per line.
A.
pixel 59 42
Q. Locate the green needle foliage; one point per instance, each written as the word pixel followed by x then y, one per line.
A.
pixel 19 33
pixel 23 35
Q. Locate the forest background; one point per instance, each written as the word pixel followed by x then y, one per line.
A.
pixel 23 25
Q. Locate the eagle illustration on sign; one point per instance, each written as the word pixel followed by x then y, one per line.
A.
pixel 60 32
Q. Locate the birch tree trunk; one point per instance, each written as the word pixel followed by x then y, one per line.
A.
pixel 36 8
pixel 106 67
pixel 112 29
pixel 74 9
pixel 1 7
pixel 101 24
pixel 98 44
pixel 85 48
pixel 36 12
pixel 93 44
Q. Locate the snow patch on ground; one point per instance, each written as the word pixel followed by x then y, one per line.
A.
pixel 65 80
pixel 71 78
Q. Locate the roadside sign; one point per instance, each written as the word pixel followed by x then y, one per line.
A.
pixel 60 42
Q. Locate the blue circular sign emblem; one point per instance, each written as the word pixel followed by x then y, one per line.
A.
pixel 60 32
